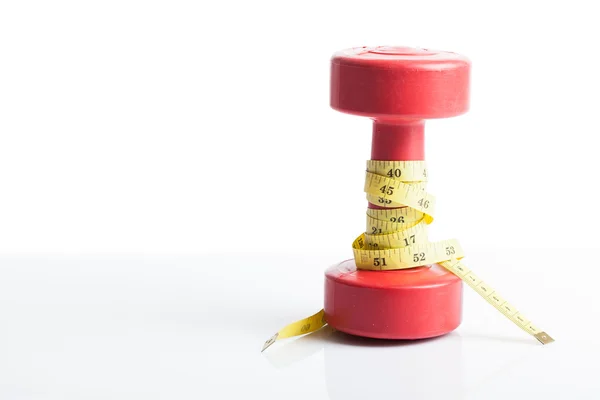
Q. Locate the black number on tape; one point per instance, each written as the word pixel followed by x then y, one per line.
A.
pixel 385 189
pixel 418 257
pixel 394 173
pixel 409 239
pixel 379 261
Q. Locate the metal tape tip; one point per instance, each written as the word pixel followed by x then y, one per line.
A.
pixel 543 338
pixel 269 342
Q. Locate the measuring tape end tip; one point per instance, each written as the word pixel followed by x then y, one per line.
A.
pixel 543 338
pixel 269 342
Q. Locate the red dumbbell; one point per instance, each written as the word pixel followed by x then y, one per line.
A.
pixel 398 88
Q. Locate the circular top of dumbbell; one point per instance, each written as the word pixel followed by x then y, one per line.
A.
pixel 399 82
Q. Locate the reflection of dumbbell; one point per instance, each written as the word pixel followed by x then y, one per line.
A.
pixel 398 88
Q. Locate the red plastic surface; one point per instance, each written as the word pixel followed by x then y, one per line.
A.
pixel 398 87
pixel 393 82
pixel 411 304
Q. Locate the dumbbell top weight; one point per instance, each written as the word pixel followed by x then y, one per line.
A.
pixel 399 82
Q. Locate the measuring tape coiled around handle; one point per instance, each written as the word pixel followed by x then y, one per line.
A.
pixel 396 238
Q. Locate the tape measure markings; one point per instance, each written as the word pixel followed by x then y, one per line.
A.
pixel 409 171
pixel 400 193
pixel 301 327
pixel 395 215
pixel 494 298
pixel 408 257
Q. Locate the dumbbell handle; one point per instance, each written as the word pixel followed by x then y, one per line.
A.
pixel 402 140
pixel 398 141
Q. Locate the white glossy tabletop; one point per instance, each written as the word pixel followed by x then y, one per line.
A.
pixel 192 328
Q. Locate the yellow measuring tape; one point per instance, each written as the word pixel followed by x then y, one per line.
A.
pixel 396 238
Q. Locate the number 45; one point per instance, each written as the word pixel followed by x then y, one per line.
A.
pixel 385 189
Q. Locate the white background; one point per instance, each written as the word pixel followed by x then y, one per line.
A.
pixel 152 153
